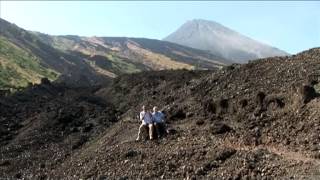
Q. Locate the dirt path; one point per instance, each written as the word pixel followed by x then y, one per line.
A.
pixel 276 149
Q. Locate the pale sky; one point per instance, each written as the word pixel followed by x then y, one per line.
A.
pixel 292 26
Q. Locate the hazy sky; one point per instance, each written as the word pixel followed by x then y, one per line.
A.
pixel 291 26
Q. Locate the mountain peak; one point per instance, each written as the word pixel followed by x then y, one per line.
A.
pixel 220 40
pixel 203 21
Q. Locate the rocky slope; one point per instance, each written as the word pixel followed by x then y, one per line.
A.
pixel 254 121
pixel 222 41
pixel 26 57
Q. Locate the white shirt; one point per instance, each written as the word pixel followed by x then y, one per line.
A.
pixel 158 117
pixel 146 117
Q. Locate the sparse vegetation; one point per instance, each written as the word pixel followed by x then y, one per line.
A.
pixel 121 66
pixel 19 67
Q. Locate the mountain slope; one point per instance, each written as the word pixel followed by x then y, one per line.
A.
pixel 90 60
pixel 258 120
pixel 222 41
pixel 19 67
pixel 153 54
pixel 68 67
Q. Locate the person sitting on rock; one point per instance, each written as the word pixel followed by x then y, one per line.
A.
pixel 147 122
pixel 158 121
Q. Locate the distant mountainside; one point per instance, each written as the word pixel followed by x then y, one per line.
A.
pixel 131 54
pixel 27 56
pixel 221 41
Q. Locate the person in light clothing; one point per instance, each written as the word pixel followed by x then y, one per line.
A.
pixel 158 120
pixel 147 122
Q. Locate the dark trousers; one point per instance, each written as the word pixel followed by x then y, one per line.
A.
pixel 160 129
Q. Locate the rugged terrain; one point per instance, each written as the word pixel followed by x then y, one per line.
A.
pixel 26 57
pixel 222 41
pixel 259 120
